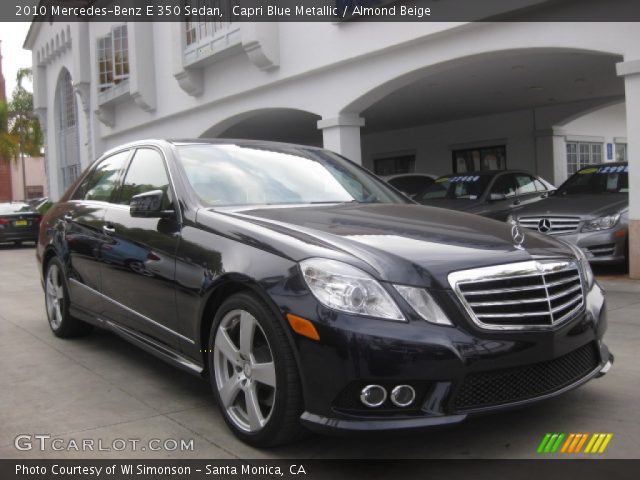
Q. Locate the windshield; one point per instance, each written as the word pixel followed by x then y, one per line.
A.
pixel 457 187
pixel 597 180
pixel 225 175
pixel 7 208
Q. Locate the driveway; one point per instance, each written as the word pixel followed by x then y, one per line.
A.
pixel 102 388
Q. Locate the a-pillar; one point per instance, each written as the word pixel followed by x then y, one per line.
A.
pixel 630 70
pixel 341 134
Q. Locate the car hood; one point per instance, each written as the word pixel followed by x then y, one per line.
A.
pixel 586 206
pixel 408 244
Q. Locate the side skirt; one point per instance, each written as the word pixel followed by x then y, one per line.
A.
pixel 142 341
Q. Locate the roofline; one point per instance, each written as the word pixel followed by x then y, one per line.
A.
pixel 34 29
pixel 163 142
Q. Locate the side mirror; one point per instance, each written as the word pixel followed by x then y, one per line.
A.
pixel 494 197
pixel 148 205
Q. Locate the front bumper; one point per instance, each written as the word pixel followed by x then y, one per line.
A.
pixel 439 362
pixel 602 247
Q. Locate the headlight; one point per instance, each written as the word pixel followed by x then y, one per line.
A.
pixel 348 289
pixel 424 304
pixel 601 223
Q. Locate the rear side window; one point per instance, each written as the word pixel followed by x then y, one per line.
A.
pixel 146 173
pixel 102 181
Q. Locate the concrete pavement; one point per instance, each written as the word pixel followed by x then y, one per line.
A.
pixel 102 388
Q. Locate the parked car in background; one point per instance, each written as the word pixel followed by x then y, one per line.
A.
pixel 19 222
pixel 313 294
pixel 590 210
pixel 411 184
pixel 490 193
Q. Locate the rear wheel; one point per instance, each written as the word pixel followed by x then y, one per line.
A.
pixel 253 373
pixel 57 303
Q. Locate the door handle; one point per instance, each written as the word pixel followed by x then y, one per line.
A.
pixel 108 229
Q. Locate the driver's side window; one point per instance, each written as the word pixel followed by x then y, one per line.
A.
pixel 146 172
pixel 504 185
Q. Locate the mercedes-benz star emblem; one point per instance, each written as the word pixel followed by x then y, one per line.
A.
pixel 518 236
pixel 544 225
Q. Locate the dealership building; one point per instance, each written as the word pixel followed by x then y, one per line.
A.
pixel 549 97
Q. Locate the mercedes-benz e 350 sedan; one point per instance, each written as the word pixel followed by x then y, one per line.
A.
pixel 312 294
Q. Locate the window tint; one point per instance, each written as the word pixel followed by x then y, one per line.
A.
pixel 100 184
pixel 146 173
pixel 525 184
pixel 504 185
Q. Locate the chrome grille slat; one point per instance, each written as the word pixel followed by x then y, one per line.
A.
pixel 509 302
pixel 504 290
pixel 566 292
pixel 534 294
pixel 513 315
pixel 559 308
pixel 564 281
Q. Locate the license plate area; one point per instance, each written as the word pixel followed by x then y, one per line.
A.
pixel 21 223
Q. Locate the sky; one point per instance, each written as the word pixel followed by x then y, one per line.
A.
pixel 14 57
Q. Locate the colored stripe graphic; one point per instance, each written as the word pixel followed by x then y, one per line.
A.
pixel 572 443
pixel 551 443
pixel 598 443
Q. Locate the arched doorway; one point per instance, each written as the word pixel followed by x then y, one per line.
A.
pixel 67 133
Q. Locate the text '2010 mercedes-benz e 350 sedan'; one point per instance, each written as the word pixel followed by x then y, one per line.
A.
pixel 311 293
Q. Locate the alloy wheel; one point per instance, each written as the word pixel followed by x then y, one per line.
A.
pixel 54 297
pixel 244 369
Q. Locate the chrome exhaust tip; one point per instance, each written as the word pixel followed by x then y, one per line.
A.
pixel 403 395
pixel 373 396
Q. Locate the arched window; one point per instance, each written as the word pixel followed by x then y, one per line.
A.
pixel 66 112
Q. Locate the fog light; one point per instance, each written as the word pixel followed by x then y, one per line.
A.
pixel 373 395
pixel 403 395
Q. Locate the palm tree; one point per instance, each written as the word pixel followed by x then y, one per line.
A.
pixel 9 144
pixel 20 132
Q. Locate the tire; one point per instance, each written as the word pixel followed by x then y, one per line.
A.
pixel 260 410
pixel 56 296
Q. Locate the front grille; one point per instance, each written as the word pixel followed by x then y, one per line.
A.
pixel 551 225
pixel 602 250
pixel 520 295
pixel 501 387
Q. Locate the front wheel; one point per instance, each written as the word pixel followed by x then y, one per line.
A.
pixel 57 303
pixel 253 373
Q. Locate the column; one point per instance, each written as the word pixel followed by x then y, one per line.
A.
pixel 630 70
pixel 341 134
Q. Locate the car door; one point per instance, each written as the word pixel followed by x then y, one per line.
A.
pixel 138 271
pixel 501 197
pixel 82 234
